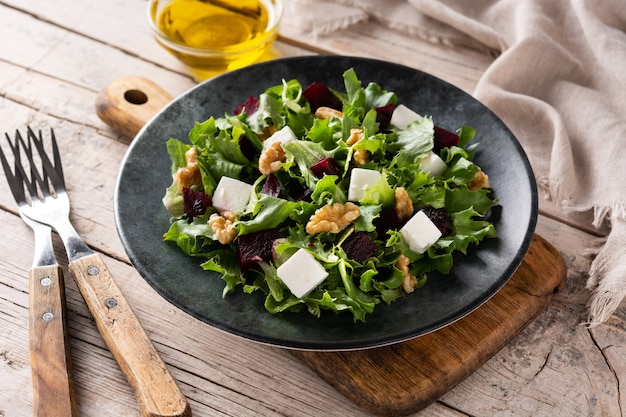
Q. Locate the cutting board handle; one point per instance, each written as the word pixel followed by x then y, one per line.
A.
pixel 127 104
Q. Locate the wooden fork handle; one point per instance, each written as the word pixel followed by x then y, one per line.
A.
pixel 49 348
pixel 155 389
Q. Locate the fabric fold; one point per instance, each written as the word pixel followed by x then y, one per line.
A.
pixel 606 277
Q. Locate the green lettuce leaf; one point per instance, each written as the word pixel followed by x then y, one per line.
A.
pixel 414 143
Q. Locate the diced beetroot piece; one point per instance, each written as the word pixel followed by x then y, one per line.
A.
pixel 326 166
pixel 438 216
pixel 383 116
pixel 302 194
pixel 387 220
pixel 195 202
pixel 444 138
pixel 251 105
pixel 255 247
pixel 271 186
pixel 319 95
pixel 246 148
pixel 293 190
pixel 359 246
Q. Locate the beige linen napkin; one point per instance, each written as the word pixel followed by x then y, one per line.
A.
pixel 558 82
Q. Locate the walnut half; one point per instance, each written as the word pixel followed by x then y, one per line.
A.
pixel 222 226
pixel 272 158
pixel 404 205
pixel 189 175
pixel 333 218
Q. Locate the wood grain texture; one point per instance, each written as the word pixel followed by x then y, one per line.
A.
pixel 50 361
pixel 56 57
pixel 156 390
pixel 404 378
pixel 128 103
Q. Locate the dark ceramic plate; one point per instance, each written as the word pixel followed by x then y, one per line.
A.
pixel 142 220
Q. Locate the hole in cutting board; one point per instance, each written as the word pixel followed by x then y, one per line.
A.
pixel 137 97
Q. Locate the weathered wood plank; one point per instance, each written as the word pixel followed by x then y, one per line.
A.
pixel 555 366
pixel 209 363
pixel 220 373
pixel 405 377
pixel 55 57
pixel 459 66
pixel 79 30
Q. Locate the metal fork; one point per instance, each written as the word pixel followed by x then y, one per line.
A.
pixel 155 389
pixel 50 359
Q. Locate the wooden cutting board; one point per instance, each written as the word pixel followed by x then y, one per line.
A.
pixel 406 377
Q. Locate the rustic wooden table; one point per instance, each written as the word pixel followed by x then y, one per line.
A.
pixel 54 59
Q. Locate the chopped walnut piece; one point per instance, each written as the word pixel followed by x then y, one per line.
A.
pixel 190 174
pixel 222 226
pixel 410 282
pixel 332 218
pixel 267 132
pixel 355 136
pixel 271 159
pixel 404 205
pixel 326 113
pixel 481 180
pixel 360 155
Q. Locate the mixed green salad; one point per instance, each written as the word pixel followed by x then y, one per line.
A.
pixel 366 257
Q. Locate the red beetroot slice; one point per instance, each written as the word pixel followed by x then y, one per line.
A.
pixel 383 116
pixel 246 148
pixel 271 186
pixel 444 138
pixel 195 203
pixel 301 194
pixel 319 95
pixel 251 105
pixel 326 166
pixel 359 246
pixel 439 216
pixel 387 220
pixel 255 247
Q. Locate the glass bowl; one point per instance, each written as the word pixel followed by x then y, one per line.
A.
pixel 215 35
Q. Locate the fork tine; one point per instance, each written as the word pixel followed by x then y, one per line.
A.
pixel 14 179
pixel 53 171
pixel 34 181
pixel 41 179
pixel 58 167
pixel 30 135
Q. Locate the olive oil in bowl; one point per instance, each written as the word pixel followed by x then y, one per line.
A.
pixel 215 34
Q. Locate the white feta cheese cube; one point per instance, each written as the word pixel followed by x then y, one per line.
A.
pixel 420 232
pixel 360 180
pixel 402 117
pixel 433 164
pixel 283 136
pixel 301 273
pixel 231 195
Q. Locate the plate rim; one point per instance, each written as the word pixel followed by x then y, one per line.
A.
pixel 323 346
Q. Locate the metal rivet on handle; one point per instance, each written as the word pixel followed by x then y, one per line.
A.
pixel 47 316
pixel 93 270
pixel 46 281
pixel 111 302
